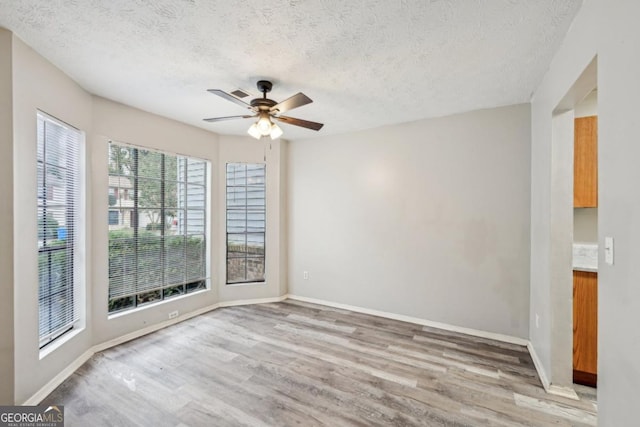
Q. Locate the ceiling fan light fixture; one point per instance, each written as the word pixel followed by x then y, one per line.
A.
pixel 254 131
pixel 267 109
pixel 264 124
pixel 276 132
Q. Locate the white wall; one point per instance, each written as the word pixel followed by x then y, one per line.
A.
pixel 6 224
pixel 428 219
pixel 610 30
pixel 38 85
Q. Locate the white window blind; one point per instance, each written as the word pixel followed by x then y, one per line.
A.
pixel 157 226
pixel 58 153
pixel 246 222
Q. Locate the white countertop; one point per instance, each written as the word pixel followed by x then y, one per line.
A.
pixel 585 257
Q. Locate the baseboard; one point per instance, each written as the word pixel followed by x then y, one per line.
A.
pixel 585 378
pixel 252 301
pixel 567 392
pixel 539 368
pixel 152 328
pixel 38 396
pixel 59 379
pixel 416 320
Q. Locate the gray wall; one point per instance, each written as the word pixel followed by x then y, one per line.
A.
pixel 619 213
pixel 547 189
pixel 38 85
pixel 428 219
pixel 609 30
pixel 6 224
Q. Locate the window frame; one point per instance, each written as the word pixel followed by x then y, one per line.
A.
pixel 264 233
pixel 73 205
pixel 188 287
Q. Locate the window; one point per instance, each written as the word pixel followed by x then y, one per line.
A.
pixel 158 249
pixel 58 181
pixel 246 215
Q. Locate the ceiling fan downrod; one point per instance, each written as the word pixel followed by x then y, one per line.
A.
pixel 264 86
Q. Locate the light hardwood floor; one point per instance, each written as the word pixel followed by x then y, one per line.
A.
pixel 299 364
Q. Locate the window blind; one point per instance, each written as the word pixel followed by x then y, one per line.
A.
pixel 246 222
pixel 157 226
pixel 58 153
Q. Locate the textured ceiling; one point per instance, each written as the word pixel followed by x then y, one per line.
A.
pixel 364 63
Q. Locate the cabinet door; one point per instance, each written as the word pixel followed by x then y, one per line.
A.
pixel 585 162
pixel 585 327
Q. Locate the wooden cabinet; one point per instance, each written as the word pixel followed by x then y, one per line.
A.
pixel 585 162
pixel 585 328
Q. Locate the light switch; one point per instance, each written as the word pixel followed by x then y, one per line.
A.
pixel 608 250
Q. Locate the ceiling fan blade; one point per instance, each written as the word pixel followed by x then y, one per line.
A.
pixel 299 122
pixel 221 119
pixel 230 97
pixel 297 100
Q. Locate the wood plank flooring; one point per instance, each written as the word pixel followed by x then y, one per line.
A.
pixel 299 364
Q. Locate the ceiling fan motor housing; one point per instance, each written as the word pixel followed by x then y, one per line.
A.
pixel 263 104
pixel 264 86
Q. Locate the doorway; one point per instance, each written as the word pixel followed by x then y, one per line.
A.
pixel 585 241
pixel 562 223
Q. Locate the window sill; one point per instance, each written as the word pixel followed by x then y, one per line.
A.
pixel 152 304
pixel 264 282
pixel 59 342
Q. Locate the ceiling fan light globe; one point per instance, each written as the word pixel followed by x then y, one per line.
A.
pixel 264 124
pixel 276 132
pixel 254 132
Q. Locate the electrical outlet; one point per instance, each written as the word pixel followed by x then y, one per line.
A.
pixel 537 321
pixel 173 314
pixel 305 275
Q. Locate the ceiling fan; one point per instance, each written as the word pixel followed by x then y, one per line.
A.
pixel 267 109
